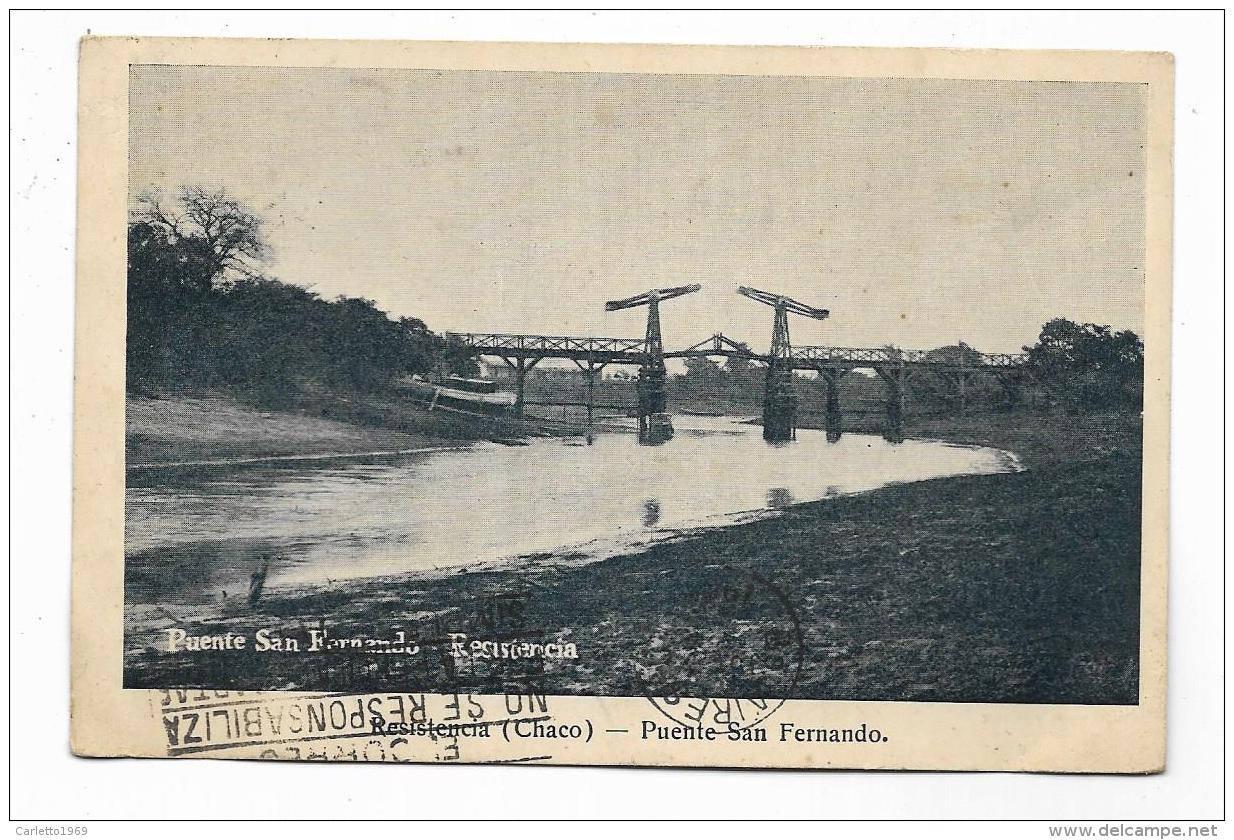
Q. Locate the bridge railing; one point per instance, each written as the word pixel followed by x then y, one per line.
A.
pixel 547 343
pixel 893 355
pixel 1005 359
pixel 569 346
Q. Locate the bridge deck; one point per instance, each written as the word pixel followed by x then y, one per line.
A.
pixel 632 351
pixel 551 346
pixel 859 356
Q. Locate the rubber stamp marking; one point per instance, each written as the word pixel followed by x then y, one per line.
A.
pixel 199 748
pixel 730 714
pixel 196 708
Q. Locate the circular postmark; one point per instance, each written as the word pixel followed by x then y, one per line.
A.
pixel 730 657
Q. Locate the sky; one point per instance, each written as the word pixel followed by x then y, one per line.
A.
pixel 920 212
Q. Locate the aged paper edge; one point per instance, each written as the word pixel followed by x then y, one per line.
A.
pixel 109 721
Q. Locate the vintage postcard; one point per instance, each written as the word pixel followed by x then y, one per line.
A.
pixel 646 405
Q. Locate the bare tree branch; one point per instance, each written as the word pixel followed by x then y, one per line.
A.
pixel 229 231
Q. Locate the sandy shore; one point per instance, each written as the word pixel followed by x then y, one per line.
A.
pixel 198 430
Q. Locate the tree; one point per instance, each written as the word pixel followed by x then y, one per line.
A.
pixel 743 379
pixel 179 253
pixel 702 374
pixel 268 339
pixel 702 369
pixel 939 388
pixel 452 357
pixel 739 365
pixel 1090 366
pixel 156 287
pixel 222 234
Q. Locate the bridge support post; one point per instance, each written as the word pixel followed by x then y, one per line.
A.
pixel 779 403
pixel 893 377
pixel 591 391
pixel 591 368
pixel 520 365
pixel 652 400
pixel 835 422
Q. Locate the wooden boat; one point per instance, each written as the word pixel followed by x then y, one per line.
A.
pixel 460 392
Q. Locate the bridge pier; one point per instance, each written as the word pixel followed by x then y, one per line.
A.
pixel 520 365
pixel 779 403
pixel 591 368
pixel 652 394
pixel 654 427
pixel 835 422
pixel 894 378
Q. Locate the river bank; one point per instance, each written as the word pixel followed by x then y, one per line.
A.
pixel 217 430
pixel 995 588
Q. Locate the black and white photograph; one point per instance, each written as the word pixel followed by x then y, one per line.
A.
pixel 634 385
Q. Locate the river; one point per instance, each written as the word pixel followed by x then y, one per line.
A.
pixel 198 541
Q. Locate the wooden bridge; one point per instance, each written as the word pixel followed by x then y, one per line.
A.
pixel 854 357
pixel 632 351
pixel 523 352
pixel 895 366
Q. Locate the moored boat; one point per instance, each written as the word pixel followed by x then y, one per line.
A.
pixel 460 392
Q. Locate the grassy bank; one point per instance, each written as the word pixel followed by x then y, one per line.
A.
pixel 1004 588
pixel 218 428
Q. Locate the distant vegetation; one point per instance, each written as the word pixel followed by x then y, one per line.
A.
pixel 203 315
pixel 1089 367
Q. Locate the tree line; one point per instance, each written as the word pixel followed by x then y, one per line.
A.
pixel 203 315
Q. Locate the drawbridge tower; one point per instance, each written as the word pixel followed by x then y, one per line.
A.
pixel 653 423
pixel 779 402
